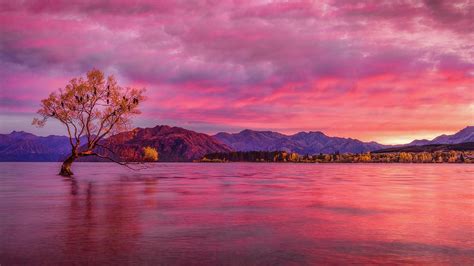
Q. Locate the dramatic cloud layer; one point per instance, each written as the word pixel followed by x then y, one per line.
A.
pixel 379 70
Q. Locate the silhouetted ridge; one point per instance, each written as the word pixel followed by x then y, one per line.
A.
pixel 172 143
pixel 464 135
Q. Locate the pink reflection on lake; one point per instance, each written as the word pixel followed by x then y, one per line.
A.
pixel 237 213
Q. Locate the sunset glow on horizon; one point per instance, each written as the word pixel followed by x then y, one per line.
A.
pixel 385 71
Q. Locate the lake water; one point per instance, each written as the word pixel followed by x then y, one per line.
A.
pixel 237 213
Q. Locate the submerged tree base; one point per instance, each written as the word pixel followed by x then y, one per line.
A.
pixel 65 172
pixel 66 167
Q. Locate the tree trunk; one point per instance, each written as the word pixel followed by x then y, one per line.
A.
pixel 66 167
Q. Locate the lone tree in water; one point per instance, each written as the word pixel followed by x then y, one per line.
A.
pixel 91 109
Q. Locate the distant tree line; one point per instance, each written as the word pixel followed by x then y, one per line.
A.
pixel 390 157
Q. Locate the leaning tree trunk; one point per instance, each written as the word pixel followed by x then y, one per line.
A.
pixel 66 167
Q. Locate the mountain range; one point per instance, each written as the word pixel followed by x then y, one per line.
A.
pixel 179 144
pixel 302 142
pixel 464 135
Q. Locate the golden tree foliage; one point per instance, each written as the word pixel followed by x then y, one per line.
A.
pixel 93 108
pixel 293 157
pixel 405 157
pixel 150 154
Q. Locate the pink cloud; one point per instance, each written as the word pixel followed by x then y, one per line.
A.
pixel 365 70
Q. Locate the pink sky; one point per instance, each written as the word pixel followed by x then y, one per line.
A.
pixel 388 71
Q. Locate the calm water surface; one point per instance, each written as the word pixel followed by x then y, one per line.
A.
pixel 237 213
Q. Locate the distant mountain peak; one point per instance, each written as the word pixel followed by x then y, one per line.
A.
pixel 250 131
pixel 172 143
pixel 244 131
pixel 20 135
pixel 310 133
pixel 464 135
pixel 14 132
pixel 466 130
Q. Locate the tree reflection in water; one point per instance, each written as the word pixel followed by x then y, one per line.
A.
pixel 105 220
